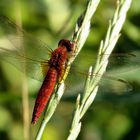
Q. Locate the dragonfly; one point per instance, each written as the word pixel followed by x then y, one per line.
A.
pixel 53 69
pixel 33 56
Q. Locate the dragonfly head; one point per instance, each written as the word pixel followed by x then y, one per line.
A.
pixel 66 43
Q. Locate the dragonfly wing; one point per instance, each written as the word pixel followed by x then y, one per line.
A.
pixel 30 67
pixel 23 50
pixel 107 84
pixel 26 44
pixel 110 84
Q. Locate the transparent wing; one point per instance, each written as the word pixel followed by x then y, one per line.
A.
pixel 22 49
pixel 25 50
pixel 108 83
pixel 114 80
pixel 129 60
pixel 30 67
pixel 27 44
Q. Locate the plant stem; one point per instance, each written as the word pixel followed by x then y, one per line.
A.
pixel 79 37
pixel 94 76
pixel 25 98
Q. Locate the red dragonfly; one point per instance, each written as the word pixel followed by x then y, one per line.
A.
pixel 53 69
pixel 54 74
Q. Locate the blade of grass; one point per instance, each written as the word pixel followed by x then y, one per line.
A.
pixel 106 47
pixel 79 37
pixel 25 98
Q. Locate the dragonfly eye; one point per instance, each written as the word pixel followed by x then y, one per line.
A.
pixel 67 43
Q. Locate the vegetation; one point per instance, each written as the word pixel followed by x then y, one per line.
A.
pixel 114 115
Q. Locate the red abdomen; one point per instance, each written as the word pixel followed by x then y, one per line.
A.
pixel 44 93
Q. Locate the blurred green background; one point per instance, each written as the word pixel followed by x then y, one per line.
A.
pixel 116 111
